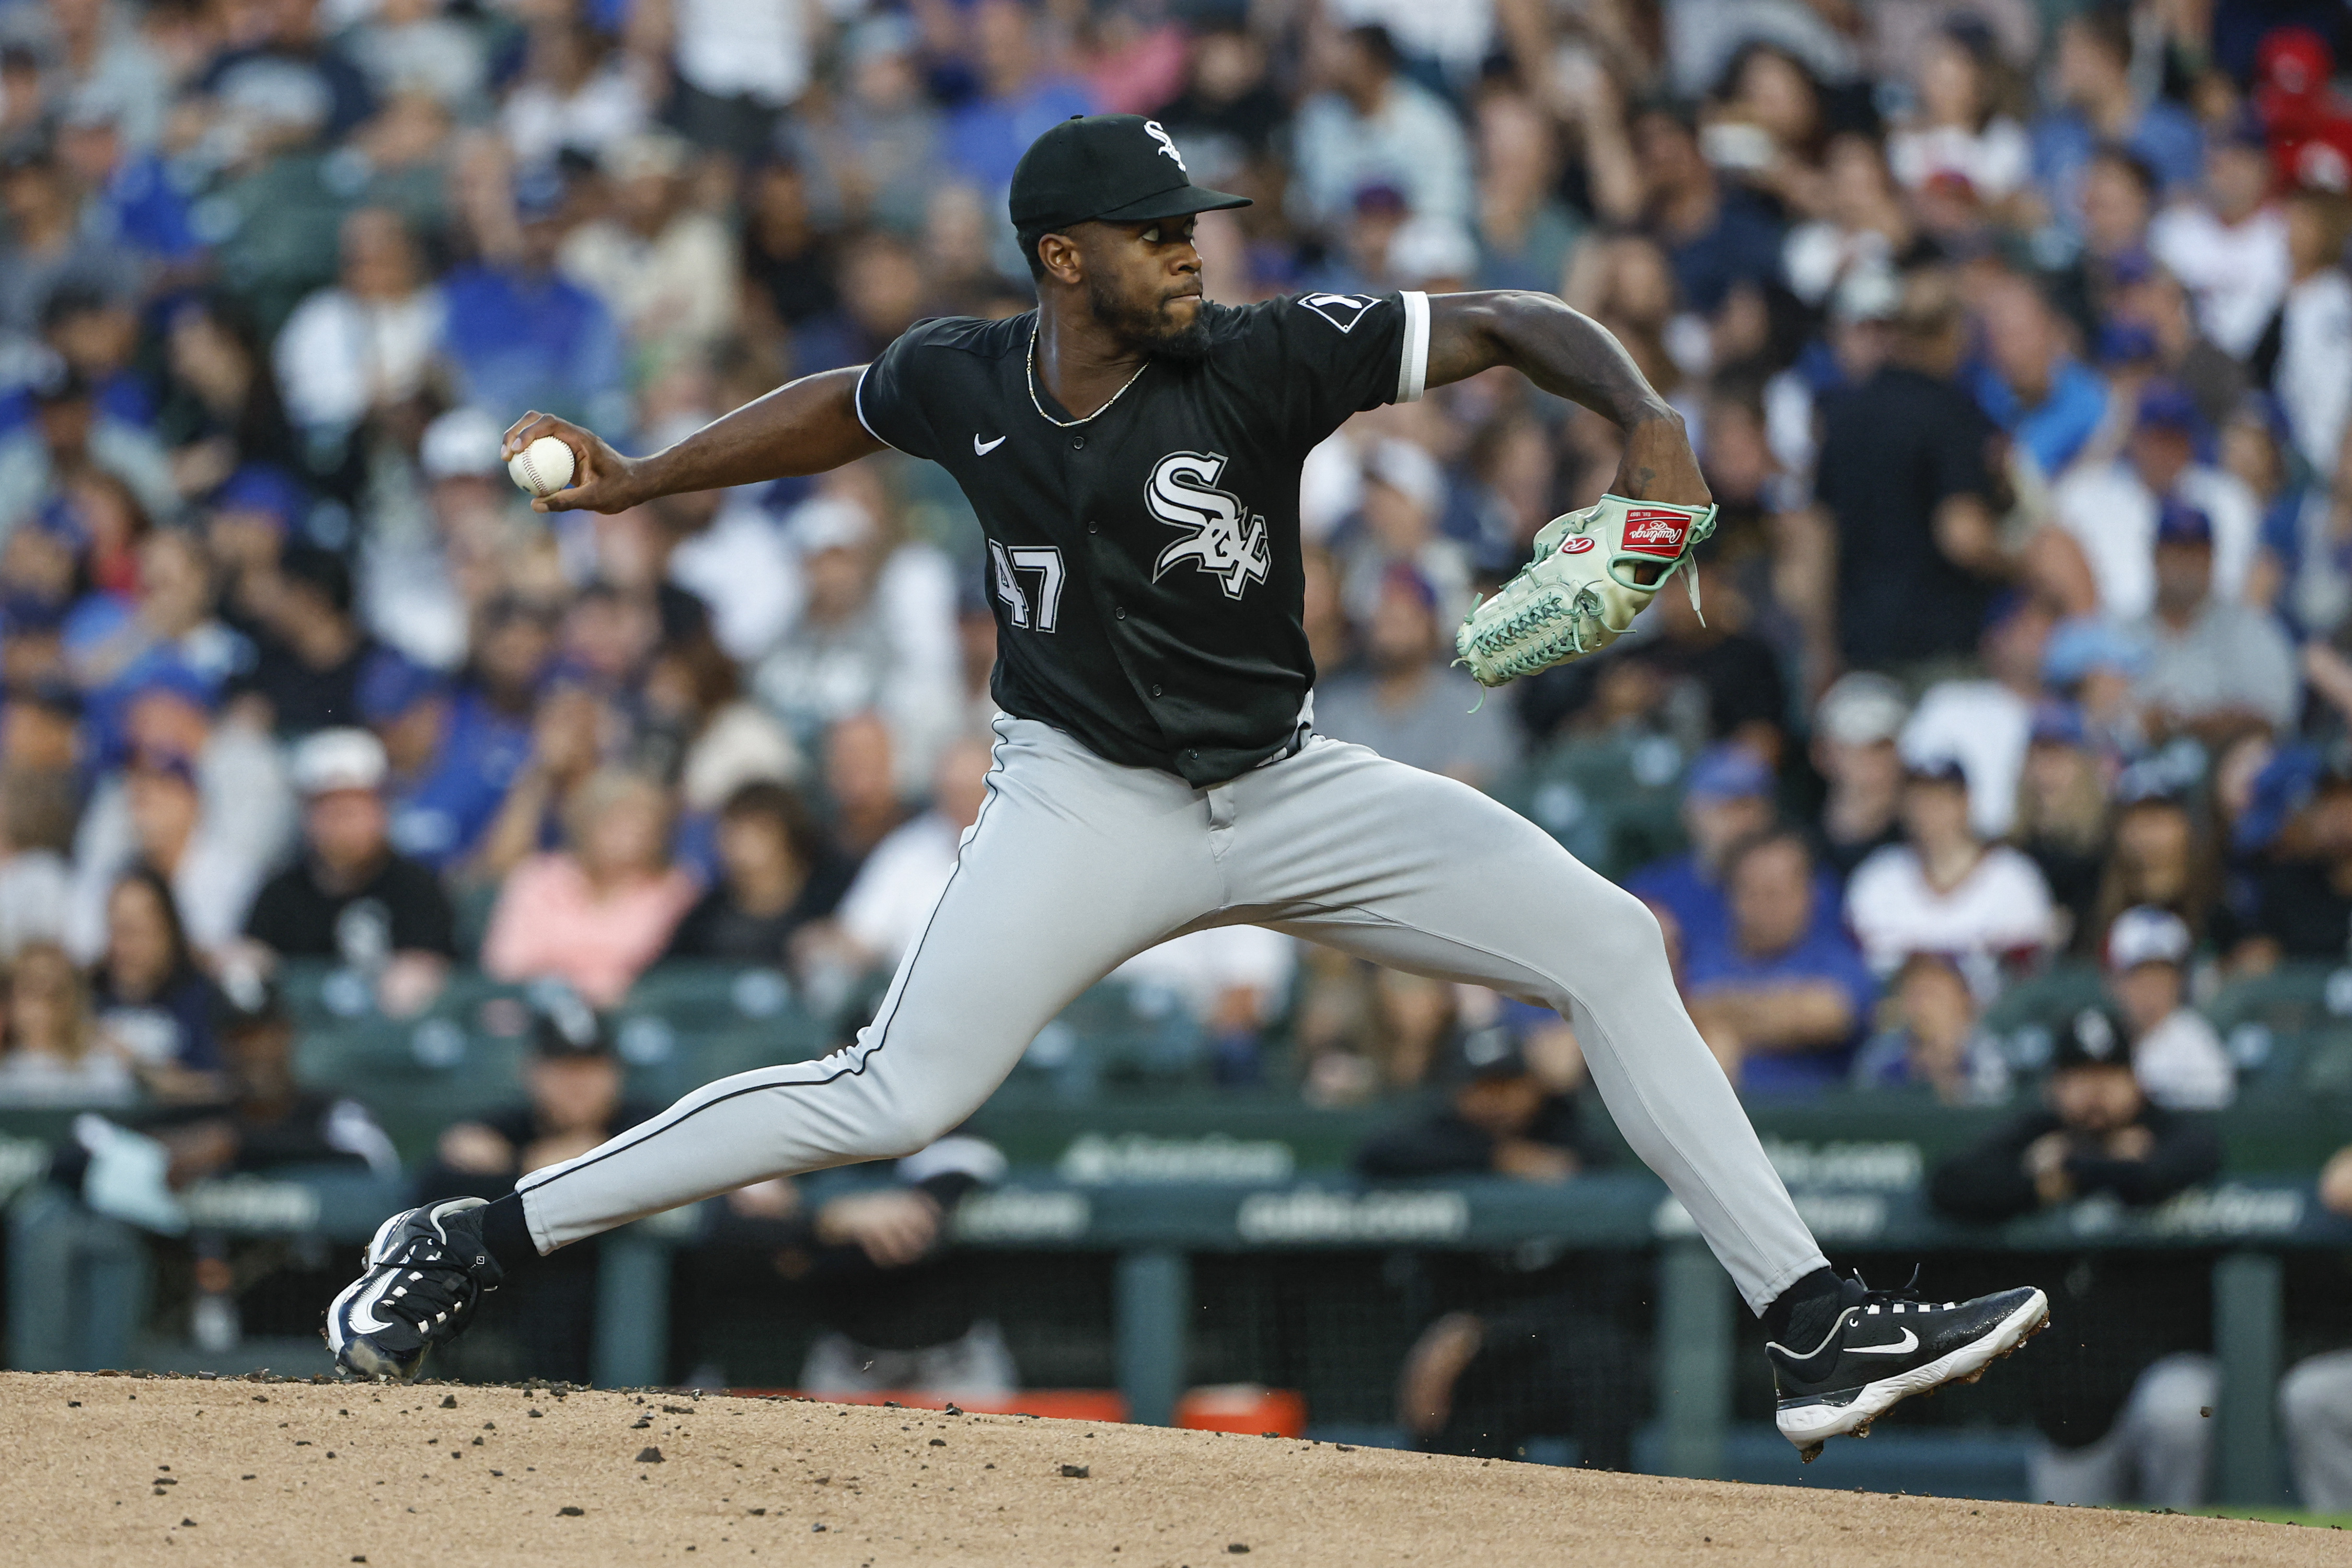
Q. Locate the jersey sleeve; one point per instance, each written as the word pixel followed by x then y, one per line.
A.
pixel 888 401
pixel 1326 356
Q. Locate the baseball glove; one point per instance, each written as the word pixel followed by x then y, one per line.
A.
pixel 1580 594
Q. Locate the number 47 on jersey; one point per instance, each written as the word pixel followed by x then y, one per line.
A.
pixel 1043 561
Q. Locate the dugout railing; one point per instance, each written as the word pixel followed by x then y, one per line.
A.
pixel 75 1281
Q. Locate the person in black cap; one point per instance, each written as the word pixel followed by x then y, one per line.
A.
pixel 1133 452
pixel 266 1119
pixel 2119 1395
pixel 2097 1133
pixel 1503 1118
pixel 1515 1348
pixel 574 1097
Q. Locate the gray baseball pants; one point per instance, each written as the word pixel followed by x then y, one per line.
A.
pixel 1076 864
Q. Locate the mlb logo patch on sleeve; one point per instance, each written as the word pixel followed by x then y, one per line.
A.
pixel 1659 533
pixel 1342 310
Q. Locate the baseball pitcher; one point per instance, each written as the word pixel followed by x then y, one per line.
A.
pixel 1133 452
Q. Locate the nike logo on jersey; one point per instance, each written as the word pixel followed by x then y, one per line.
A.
pixel 1903 1346
pixel 981 448
pixel 1226 539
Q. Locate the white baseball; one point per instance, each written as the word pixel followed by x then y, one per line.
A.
pixel 542 468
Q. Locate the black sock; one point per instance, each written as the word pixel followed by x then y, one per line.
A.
pixel 1798 1317
pixel 507 1234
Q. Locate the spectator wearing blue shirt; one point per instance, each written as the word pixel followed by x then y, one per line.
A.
pixel 522 336
pixel 1715 237
pixel 134 203
pixel 1726 798
pixel 452 754
pixel 1934 1041
pixel 94 334
pixel 1782 999
pixel 2029 384
pixel 2100 107
pixel 1021 98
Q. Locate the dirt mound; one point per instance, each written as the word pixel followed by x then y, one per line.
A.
pixel 116 1469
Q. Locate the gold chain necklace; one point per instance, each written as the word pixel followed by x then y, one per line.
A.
pixel 1072 423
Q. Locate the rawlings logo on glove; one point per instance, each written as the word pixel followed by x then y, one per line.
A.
pixel 1582 591
pixel 1650 531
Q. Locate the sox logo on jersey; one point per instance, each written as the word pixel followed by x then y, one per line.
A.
pixel 1227 539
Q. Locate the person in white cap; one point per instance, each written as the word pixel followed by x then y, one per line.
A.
pixel 348 895
pixel 2177 1054
pixel 1854 730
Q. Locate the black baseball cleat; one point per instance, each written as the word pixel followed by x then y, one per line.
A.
pixel 1887 1346
pixel 425 1271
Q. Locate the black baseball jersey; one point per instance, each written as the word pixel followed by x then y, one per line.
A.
pixel 1144 562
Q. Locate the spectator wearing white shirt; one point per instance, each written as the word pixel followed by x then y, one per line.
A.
pixel 2312 335
pixel 367 342
pixel 1945 890
pixel 2111 507
pixel 1984 724
pixel 740 63
pixel 2176 1053
pixel 1867 231
pixel 882 914
pixel 1959 129
pixel 2228 249
pixel 665 269
pixel 577 93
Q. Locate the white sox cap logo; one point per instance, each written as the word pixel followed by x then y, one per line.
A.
pixel 1167 143
pixel 1227 539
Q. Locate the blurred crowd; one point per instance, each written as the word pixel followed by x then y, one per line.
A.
pixel 2015 336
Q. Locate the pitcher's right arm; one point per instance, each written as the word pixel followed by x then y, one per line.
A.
pixel 805 427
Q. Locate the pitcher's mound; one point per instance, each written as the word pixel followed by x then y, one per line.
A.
pixel 148 1470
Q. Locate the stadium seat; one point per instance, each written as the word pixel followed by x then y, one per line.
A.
pixel 1614 803
pixel 2024 1017
pixel 2291 1029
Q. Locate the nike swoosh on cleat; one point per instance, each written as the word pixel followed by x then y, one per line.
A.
pixel 1909 1342
pixel 362 1315
pixel 981 448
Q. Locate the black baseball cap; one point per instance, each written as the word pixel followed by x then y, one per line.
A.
pixel 245 998
pixel 2093 1037
pixel 1120 168
pixel 1491 1052
pixel 564 1027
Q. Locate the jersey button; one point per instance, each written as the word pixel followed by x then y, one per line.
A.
pixel 1155 692
pixel 1077 443
pixel 1120 612
pixel 1092 529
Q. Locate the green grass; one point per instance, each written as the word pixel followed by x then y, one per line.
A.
pixel 2268 1515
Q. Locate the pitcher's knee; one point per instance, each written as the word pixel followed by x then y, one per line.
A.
pixel 1619 935
pixel 900 1131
